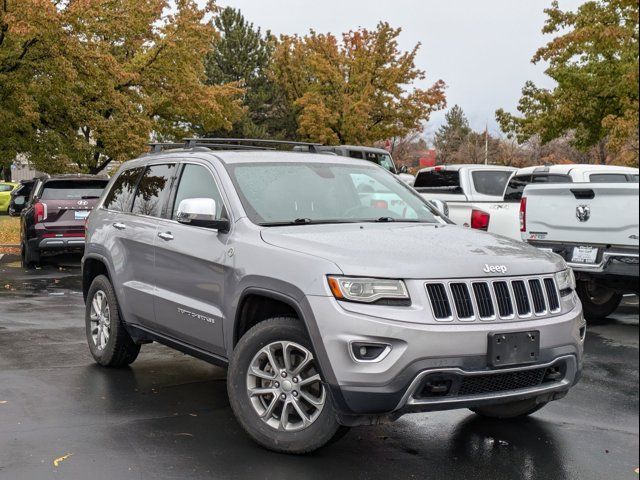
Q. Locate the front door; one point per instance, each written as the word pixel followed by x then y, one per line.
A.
pixel 190 266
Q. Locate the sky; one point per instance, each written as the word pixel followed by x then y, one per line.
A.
pixel 481 49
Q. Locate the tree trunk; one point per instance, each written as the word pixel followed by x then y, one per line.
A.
pixel 602 153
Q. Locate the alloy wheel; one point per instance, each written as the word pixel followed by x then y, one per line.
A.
pixel 284 386
pixel 100 320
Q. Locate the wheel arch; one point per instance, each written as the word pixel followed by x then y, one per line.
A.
pixel 302 311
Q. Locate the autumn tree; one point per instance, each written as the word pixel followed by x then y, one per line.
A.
pixel 94 79
pixel 358 89
pixel 594 62
pixel 242 54
pixel 452 134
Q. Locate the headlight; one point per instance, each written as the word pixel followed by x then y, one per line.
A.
pixel 566 280
pixel 367 290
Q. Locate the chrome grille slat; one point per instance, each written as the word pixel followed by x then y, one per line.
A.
pixel 502 299
pixel 537 295
pixel 482 293
pixel 439 301
pixel 552 294
pixel 462 300
pixel 522 297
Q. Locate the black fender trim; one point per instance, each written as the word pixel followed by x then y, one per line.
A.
pixel 305 313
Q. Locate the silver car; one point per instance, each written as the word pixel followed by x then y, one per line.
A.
pixel 335 295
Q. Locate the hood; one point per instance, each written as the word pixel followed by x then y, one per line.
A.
pixel 419 251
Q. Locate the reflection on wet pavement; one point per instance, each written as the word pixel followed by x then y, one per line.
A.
pixel 168 415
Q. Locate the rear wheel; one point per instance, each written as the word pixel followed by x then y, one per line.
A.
pixel 29 256
pixel 109 341
pixel 598 302
pixel 510 411
pixel 276 390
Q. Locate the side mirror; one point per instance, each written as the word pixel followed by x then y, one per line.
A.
pixel 19 200
pixel 403 169
pixel 441 206
pixel 201 212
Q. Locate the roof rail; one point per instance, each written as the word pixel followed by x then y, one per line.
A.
pixel 246 143
pixel 157 147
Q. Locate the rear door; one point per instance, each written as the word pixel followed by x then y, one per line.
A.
pixel 133 207
pixel 190 267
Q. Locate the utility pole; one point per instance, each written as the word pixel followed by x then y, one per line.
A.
pixel 486 144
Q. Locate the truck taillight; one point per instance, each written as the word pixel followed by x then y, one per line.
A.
pixel 480 220
pixel 39 212
pixel 523 214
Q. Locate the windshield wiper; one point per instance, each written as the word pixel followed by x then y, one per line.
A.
pixel 302 221
pixel 89 197
pixel 385 219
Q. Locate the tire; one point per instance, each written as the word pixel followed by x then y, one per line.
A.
pixel 277 432
pixel 510 411
pixel 109 342
pixel 29 257
pixel 597 302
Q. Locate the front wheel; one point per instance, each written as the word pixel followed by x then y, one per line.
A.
pixel 276 391
pixel 598 302
pixel 510 411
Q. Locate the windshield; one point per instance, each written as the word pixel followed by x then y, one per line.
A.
pixel 295 193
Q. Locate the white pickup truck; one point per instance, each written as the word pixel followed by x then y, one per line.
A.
pixel 504 216
pixel 471 192
pixel 594 227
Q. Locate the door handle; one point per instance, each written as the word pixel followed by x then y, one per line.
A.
pixel 119 226
pixel 165 235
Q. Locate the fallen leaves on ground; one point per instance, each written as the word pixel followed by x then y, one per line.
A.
pixel 9 231
pixel 61 459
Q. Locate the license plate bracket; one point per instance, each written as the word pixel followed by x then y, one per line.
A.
pixel 584 254
pixel 517 348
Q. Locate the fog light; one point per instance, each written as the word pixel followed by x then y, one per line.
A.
pixel 369 352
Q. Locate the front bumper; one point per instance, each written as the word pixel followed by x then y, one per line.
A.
pixel 418 351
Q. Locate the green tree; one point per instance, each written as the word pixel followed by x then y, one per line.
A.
pixel 241 54
pixel 594 62
pixel 452 134
pixel 359 89
pixel 94 80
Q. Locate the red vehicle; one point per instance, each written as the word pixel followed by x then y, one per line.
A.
pixel 54 217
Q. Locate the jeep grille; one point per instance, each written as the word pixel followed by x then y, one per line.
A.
pixel 487 300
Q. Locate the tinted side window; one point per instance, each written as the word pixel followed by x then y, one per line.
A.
pixel 515 187
pixel 196 182
pixel 491 182
pixel 552 178
pixel 121 193
pixel 153 188
pixel 356 154
pixel 438 181
pixel 608 178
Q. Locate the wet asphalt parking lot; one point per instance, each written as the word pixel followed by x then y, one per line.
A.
pixel 168 417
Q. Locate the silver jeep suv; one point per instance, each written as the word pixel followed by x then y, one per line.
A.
pixel 335 295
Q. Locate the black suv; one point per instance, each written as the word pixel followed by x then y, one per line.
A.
pixel 55 214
